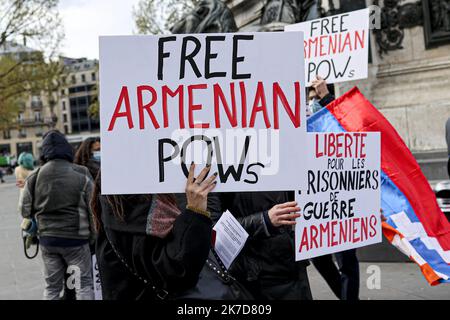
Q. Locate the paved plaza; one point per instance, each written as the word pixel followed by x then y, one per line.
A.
pixel 22 279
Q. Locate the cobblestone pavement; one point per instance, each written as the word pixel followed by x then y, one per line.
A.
pixel 21 278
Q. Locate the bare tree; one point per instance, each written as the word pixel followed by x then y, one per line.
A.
pixel 158 16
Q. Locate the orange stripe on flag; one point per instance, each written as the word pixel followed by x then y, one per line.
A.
pixel 430 275
pixel 389 232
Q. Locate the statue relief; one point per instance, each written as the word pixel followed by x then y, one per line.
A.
pixel 209 16
pixel 290 11
pixel 436 15
pixel 440 15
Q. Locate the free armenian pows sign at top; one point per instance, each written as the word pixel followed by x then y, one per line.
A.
pixel 340 206
pixel 234 101
pixel 336 47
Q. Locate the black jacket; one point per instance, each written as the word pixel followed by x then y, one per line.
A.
pixel 93 167
pixel 172 264
pixel 326 100
pixel 269 251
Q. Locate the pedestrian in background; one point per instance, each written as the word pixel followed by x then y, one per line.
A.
pixel 88 155
pixel 57 195
pixel 26 165
pixel 146 248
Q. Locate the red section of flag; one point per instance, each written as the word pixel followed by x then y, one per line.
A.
pixel 355 114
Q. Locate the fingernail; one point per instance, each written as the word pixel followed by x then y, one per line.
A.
pixel 215 174
pixel 215 182
pixel 192 163
pixel 208 165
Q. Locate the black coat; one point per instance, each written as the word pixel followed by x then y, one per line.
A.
pixel 172 264
pixel 269 251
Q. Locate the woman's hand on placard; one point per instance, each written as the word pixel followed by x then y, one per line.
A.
pixel 197 189
pixel 284 214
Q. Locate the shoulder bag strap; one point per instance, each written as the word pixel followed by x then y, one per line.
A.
pixel 220 270
pixel 160 293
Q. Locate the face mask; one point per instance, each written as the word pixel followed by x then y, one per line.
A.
pixel 96 155
pixel 314 105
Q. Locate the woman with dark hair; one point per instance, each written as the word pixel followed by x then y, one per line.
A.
pixel 88 155
pixel 146 248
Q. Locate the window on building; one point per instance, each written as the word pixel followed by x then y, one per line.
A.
pixel 63 92
pixel 6 134
pixel 74 79
pixel 80 119
pixel 83 78
pixel 37 116
pixel 5 149
pixel 66 129
pixel 20 117
pixel 64 118
pixel 24 147
pixel 22 133
pixel 93 77
pixel 64 106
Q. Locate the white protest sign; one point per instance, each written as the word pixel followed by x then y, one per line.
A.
pixel 230 238
pixel 97 283
pixel 336 47
pixel 233 100
pixel 340 205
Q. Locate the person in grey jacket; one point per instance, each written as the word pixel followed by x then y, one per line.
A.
pixel 57 196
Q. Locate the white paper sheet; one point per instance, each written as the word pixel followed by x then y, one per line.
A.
pixel 230 238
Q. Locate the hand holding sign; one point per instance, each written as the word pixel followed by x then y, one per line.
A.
pixel 320 86
pixel 197 189
pixel 284 214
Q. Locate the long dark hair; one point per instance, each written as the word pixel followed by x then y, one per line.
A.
pixel 117 202
pixel 84 151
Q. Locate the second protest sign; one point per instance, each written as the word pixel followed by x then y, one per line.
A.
pixel 340 203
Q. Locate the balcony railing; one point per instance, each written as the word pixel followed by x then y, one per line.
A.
pixel 36 105
pixel 35 122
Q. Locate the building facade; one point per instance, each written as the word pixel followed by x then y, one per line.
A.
pixel 409 64
pixel 76 95
pixel 66 109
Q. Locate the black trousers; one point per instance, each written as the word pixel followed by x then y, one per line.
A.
pixel 344 282
pixel 281 289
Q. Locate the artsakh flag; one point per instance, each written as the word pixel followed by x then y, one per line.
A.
pixel 415 223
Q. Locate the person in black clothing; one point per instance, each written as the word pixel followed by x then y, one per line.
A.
pixel 266 265
pixel 447 138
pixel 344 282
pixel 146 248
pixel 88 155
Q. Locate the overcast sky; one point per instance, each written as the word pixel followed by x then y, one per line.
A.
pixel 85 20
